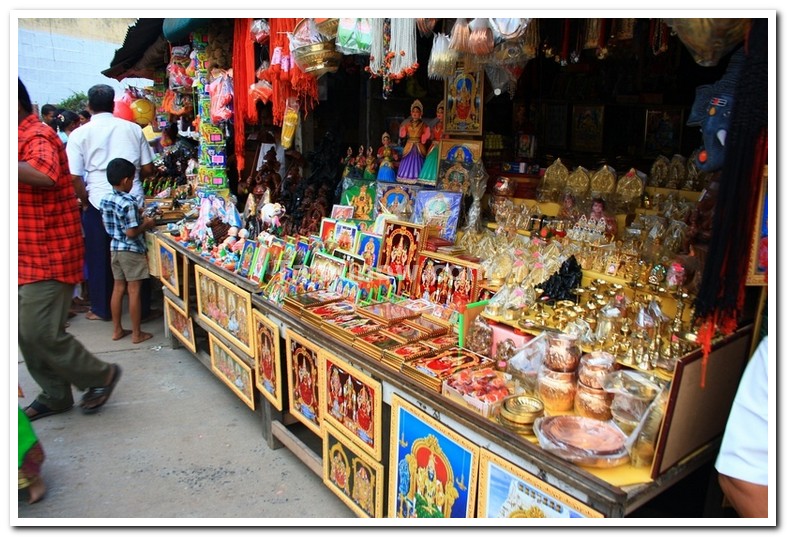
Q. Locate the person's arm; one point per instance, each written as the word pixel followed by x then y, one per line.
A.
pixel 146 170
pixel 748 499
pixel 147 223
pixel 80 189
pixel 31 176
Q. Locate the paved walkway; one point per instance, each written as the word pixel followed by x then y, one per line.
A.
pixel 172 442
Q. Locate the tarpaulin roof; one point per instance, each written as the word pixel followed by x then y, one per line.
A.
pixel 133 59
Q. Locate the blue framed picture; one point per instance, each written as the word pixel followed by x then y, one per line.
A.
pixel 369 248
pixel 438 209
pixel 246 258
pixel 432 470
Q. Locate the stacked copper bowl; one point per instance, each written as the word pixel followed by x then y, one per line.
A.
pixel 519 412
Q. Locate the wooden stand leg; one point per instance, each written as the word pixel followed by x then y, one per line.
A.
pixel 269 415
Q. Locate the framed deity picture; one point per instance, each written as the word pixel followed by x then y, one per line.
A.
pixel 429 462
pixel 463 97
pixel 275 255
pixel 507 491
pixel 342 212
pixel 352 402
pixel 369 248
pixel 325 269
pixel 446 281
pixel 180 324
pixel 327 226
pixel 395 198
pixel 457 158
pixel 359 195
pixel 186 284
pixel 345 235
pixel 663 131
pixel 268 359
pixel 758 259
pixel 246 258
pixel 354 262
pixel 168 267
pixel 259 264
pixel 402 242
pixel 233 371
pixel 303 381
pixel 587 128
pixel 352 475
pixel 302 251
pixel 439 211
pixel 224 307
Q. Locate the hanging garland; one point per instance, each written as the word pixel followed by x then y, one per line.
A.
pixel 393 54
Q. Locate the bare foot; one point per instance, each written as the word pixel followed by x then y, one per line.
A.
pixel 37 489
pixel 143 336
pixel 123 333
pixel 93 317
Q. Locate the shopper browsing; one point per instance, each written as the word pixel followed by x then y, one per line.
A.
pixel 126 227
pixel 51 257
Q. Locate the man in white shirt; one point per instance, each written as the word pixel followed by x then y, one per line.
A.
pixel 743 458
pixel 90 148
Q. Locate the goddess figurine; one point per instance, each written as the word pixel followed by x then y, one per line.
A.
pixel 417 133
pixel 428 174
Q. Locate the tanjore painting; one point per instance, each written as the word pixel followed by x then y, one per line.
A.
pixel 463 96
pixel 399 252
pixel 432 470
pixel 303 381
pixel 224 307
pixel 180 324
pixel 352 475
pixel 232 370
pixel 352 402
pixel 168 267
pixel 267 360
pixel 446 281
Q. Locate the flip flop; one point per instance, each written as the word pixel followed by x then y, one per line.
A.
pixel 100 395
pixel 42 411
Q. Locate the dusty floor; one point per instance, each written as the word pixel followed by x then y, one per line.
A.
pixel 172 442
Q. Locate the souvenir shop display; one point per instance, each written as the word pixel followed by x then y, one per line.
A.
pixel 547 311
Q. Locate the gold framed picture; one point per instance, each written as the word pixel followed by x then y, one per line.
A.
pixel 587 128
pixel 352 475
pixel 185 284
pixel 457 158
pixel 303 381
pixel 351 401
pixel 758 258
pixel 433 469
pixel 267 359
pixel 180 324
pixel 168 267
pixel 224 307
pixel 463 96
pixel 507 491
pixel 231 370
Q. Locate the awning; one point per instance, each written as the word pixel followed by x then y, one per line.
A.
pixel 134 59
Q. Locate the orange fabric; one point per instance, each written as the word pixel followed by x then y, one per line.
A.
pixel 243 77
pixel 294 83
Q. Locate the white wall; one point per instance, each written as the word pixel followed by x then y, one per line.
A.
pixel 55 66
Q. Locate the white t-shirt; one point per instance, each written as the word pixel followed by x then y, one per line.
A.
pixel 744 447
pixel 94 144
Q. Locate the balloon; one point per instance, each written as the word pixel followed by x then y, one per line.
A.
pixel 143 111
pixel 123 111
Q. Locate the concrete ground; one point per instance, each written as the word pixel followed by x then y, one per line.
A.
pixel 172 442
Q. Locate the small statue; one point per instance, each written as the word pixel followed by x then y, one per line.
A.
pixel 416 133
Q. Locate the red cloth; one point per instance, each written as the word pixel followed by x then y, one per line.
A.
pixel 51 246
pixel 243 78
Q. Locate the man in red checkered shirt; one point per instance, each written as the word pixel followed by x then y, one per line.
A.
pixel 51 254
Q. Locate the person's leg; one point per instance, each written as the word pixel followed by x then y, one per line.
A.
pixel 55 358
pixel 101 282
pixel 135 311
pixel 118 291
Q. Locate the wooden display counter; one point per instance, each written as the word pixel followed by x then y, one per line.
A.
pixel 307 355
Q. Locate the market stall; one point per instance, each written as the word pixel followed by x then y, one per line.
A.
pixel 456 323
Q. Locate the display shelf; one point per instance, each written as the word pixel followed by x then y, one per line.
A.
pixel 580 483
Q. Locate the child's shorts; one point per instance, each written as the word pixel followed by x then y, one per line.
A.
pixel 129 266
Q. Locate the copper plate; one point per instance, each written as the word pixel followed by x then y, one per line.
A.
pixel 591 436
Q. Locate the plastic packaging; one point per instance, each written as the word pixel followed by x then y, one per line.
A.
pixel 583 441
pixel 290 123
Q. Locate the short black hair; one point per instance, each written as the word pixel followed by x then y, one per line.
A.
pixel 48 109
pixel 101 98
pixel 24 98
pixel 85 114
pixel 118 169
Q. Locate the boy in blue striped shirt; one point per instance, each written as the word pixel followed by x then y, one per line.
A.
pixel 125 225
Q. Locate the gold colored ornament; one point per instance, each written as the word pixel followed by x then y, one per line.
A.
pixel 659 171
pixel 603 181
pixel 578 182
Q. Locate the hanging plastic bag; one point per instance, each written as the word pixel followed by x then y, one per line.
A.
pixel 220 91
pixel 354 36
pixel 290 123
pixel 260 30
